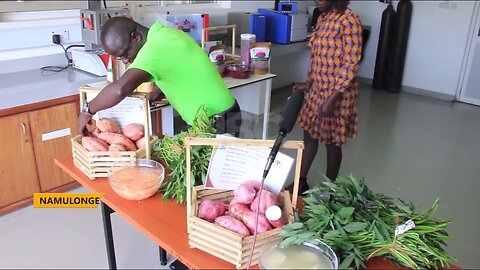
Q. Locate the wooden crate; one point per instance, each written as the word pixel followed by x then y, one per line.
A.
pixel 97 164
pixel 220 242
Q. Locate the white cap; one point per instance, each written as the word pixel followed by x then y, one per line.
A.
pixel 247 36
pixel 273 213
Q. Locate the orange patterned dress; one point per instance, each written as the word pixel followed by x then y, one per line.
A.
pixel 336 49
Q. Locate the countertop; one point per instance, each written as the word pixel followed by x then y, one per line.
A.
pixel 33 86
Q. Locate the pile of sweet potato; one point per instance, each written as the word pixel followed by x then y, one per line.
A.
pixel 108 136
pixel 239 215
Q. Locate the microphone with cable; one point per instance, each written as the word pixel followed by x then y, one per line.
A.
pixel 289 117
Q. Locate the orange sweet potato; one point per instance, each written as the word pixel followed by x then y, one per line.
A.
pixel 94 144
pixel 133 131
pixel 108 125
pixel 113 138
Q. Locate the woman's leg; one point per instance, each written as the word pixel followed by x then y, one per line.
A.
pixel 334 160
pixel 309 153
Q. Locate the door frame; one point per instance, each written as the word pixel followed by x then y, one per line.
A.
pixel 467 58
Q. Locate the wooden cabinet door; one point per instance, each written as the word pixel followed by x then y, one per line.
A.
pixel 18 171
pixel 52 129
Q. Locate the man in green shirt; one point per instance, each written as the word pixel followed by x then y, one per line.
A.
pixel 175 63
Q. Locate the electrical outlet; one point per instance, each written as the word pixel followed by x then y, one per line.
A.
pixel 444 4
pixel 64 37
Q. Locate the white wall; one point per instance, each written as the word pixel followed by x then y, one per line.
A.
pixel 437 42
pixel 28 34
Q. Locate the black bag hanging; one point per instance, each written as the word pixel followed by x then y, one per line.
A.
pixel 384 46
pixel 398 51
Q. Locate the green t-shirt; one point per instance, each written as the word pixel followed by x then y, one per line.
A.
pixel 183 71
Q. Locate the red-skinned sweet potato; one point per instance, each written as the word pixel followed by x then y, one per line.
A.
pixel 117 147
pixel 248 218
pixel 141 143
pixel 93 144
pixel 268 199
pixel 244 194
pixel 209 210
pixel 232 224
pixel 275 216
pixel 236 210
pixel 108 125
pixel 112 138
pixel 133 131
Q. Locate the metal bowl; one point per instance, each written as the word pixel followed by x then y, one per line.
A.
pixel 324 252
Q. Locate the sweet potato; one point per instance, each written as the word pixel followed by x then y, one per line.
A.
pixel 141 143
pixel 112 138
pixel 255 184
pixel 244 194
pixel 117 147
pixel 94 144
pixel 95 132
pixel 209 210
pixel 236 210
pixel 275 216
pixel 268 199
pixel 233 201
pixel 232 224
pixel 248 218
pixel 108 125
pixel 133 131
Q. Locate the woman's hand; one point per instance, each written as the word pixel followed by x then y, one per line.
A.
pixel 305 86
pixel 327 109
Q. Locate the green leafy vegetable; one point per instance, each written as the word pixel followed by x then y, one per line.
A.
pixel 171 152
pixel 359 224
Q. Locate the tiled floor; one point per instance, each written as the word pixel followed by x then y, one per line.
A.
pixel 409 146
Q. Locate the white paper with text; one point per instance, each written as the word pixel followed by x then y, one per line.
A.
pixel 232 165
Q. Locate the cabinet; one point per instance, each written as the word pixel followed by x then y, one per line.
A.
pixel 51 129
pixel 18 171
pixel 31 140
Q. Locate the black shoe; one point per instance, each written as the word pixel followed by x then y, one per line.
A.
pixel 302 187
pixel 177 265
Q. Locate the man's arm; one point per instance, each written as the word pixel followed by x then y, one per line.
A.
pixel 112 94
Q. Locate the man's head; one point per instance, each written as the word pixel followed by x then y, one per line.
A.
pixel 327 5
pixel 121 38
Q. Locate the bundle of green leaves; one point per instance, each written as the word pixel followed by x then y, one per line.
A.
pixel 171 152
pixel 359 224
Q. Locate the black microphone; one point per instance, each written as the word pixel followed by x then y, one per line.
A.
pixel 289 117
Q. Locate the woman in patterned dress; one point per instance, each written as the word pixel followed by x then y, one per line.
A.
pixel 329 114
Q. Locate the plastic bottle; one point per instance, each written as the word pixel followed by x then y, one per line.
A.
pixel 246 40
